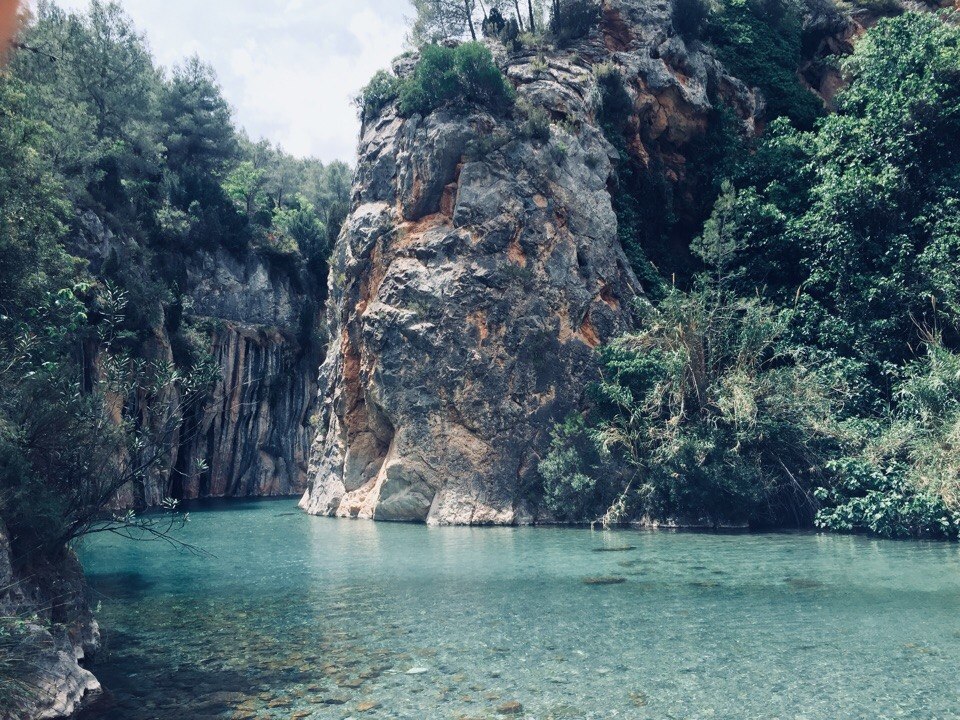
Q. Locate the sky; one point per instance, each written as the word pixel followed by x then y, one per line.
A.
pixel 288 67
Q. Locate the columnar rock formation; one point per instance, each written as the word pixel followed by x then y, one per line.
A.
pixel 253 433
pixel 479 269
pixel 260 319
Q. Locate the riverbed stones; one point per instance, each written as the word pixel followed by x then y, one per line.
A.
pixel 604 580
pixel 511 707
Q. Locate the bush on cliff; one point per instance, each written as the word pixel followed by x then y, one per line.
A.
pixel 383 89
pixel 761 43
pixel 571 20
pixel 466 74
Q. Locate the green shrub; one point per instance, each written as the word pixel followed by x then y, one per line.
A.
pixel 761 43
pixel 689 17
pixel 883 501
pixel 465 74
pixel 906 480
pixel 571 20
pixel 717 417
pixel 579 480
pixel 383 89
pixel 613 103
pixel 536 126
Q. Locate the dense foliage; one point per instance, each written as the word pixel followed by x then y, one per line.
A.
pixel 90 127
pixel 706 415
pixel 849 233
pixel 760 42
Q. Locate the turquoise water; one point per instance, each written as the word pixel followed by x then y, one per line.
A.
pixel 302 617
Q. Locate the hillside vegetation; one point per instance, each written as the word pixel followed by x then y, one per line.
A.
pixel 809 373
pixel 91 126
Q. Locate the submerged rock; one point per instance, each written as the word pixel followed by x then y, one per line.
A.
pixel 510 708
pixel 604 580
pixel 623 548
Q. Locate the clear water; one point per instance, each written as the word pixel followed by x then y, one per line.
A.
pixel 301 617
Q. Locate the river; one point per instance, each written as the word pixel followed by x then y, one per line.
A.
pixel 291 616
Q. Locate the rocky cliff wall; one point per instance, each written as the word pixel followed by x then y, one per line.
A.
pixel 479 269
pixel 258 316
pixel 48 632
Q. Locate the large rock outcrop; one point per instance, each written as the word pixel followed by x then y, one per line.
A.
pixel 481 266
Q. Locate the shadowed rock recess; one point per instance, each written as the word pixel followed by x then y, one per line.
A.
pixel 479 269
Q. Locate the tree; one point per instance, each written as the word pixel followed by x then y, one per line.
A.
pixel 199 128
pixel 245 186
pixel 857 220
pixel 437 20
pixel 96 80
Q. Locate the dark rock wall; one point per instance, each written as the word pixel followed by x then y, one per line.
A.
pixel 58 632
pixel 259 316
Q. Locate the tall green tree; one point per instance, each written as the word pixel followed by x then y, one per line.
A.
pixel 198 121
pixel 96 79
pixel 856 221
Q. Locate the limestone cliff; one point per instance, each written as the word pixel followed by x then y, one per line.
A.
pixel 481 266
pixel 257 315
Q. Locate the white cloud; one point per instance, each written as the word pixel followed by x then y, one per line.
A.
pixel 289 67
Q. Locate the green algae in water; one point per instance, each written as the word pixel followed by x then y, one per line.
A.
pixel 296 616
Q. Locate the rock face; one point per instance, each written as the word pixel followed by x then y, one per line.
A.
pixel 253 433
pixel 258 316
pixel 481 266
pixel 54 632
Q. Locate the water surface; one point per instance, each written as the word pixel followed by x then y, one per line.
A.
pixel 298 617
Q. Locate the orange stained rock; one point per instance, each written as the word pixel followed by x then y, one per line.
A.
pixel 10 18
pixel 589 333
